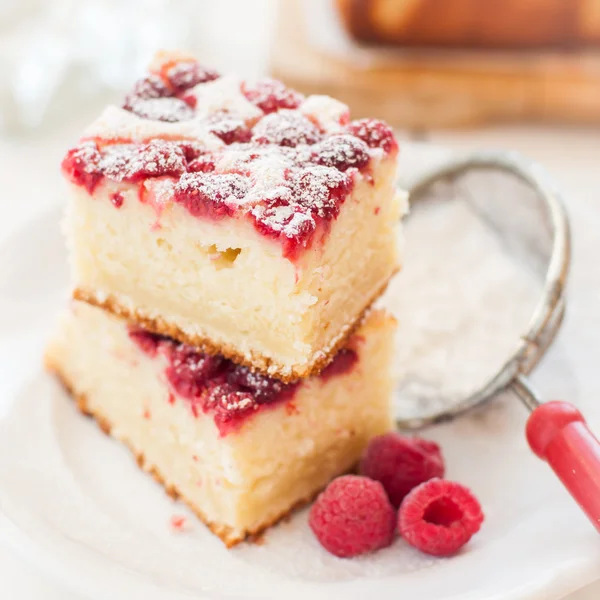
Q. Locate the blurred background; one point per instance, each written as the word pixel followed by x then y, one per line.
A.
pixel 513 73
pixel 519 74
pixel 417 63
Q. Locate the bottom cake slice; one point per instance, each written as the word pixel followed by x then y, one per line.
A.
pixel 239 448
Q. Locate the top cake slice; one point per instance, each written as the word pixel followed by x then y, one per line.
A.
pixel 242 218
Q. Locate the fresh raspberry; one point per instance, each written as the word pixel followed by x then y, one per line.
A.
pixel 439 517
pixel 401 463
pixel 353 516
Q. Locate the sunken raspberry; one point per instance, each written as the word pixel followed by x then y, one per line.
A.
pixel 270 95
pixel 191 149
pixel 343 362
pixel 353 516
pixel 146 341
pixel 213 195
pixel 190 100
pixel 291 224
pixel 401 463
pixel 184 75
pixel 190 370
pixel 262 388
pixel 229 129
pixel 439 517
pixel 117 199
pixel 198 160
pixel 82 165
pixel 341 152
pixel 286 128
pixel 153 99
pixel 203 164
pixel 322 190
pixel 149 87
pixel 376 134
pixel 170 110
pixel 132 163
pixel 228 403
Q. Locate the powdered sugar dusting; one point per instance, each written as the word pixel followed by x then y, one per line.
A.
pixel 285 219
pixel 331 114
pixel 255 153
pixel 186 74
pixel 224 94
pixel 211 194
pixel 170 110
pixel 158 193
pixel 257 159
pixel 118 124
pixel 342 152
pixel 229 128
pixel 286 128
pixel 271 95
pixel 376 134
pixel 130 162
pixel 320 189
pixel 268 173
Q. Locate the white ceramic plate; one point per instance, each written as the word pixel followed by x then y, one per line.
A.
pixel 74 503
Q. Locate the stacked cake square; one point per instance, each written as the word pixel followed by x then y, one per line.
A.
pixel 227 241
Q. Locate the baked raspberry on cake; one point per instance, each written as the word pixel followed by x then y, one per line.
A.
pixel 241 218
pixel 242 449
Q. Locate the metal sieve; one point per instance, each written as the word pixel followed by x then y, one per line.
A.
pixel 530 220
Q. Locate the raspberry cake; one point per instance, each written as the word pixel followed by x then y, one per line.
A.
pixel 241 218
pixel 242 449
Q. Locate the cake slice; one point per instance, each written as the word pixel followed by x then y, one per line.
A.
pixel 241 449
pixel 241 218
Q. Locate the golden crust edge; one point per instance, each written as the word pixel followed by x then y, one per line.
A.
pixel 255 362
pixel 223 532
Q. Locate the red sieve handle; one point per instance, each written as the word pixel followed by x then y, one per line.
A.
pixel 558 434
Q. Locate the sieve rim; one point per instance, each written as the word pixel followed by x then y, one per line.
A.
pixel 549 311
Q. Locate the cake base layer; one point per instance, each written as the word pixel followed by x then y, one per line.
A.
pixel 226 534
pixel 237 481
pixel 222 286
pixel 122 308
